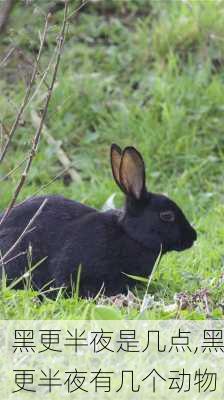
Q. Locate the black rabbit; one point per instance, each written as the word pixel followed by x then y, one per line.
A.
pixel 108 245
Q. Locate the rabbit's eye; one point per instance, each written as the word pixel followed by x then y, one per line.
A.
pixel 167 216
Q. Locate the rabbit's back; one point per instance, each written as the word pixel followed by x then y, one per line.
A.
pixel 45 237
pixel 57 209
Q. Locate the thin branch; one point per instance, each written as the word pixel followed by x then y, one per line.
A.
pixel 83 4
pixel 5 13
pixel 4 129
pixel 27 94
pixel 13 170
pixel 30 223
pixel 13 258
pixel 5 59
pixel 43 187
pixel 43 78
pixel 44 113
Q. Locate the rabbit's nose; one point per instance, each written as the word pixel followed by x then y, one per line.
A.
pixel 194 234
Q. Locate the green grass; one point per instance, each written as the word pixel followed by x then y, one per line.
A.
pixel 143 73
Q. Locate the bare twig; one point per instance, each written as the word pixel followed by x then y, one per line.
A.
pixel 43 187
pixel 62 156
pixel 30 223
pixel 4 129
pixel 13 170
pixel 3 132
pixel 42 80
pixel 44 112
pixel 5 12
pixel 205 298
pixel 8 55
pixel 27 95
pixel 13 258
pixel 54 7
pixel 83 4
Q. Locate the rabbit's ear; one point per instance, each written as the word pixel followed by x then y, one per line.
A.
pixel 115 159
pixel 132 173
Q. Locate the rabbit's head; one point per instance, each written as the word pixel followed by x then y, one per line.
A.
pixel 152 219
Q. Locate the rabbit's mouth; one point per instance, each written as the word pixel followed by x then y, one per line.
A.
pixel 180 246
pixel 188 241
pixel 185 245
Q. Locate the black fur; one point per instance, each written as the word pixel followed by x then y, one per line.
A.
pixel 105 244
